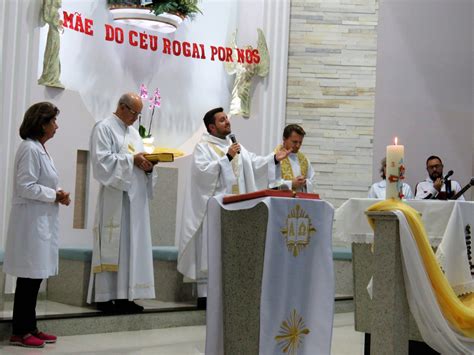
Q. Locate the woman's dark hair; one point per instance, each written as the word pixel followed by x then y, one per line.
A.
pixel 35 118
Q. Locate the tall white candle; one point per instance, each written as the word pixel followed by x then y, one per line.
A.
pixel 395 170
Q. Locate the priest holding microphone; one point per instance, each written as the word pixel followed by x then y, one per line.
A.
pixel 220 166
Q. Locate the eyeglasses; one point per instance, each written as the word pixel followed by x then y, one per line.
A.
pixel 433 167
pixel 135 113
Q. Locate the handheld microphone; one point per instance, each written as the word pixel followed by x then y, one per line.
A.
pixel 233 139
pixel 448 175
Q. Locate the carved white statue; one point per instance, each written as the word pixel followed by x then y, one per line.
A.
pixel 244 73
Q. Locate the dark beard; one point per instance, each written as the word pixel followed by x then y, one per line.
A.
pixel 436 175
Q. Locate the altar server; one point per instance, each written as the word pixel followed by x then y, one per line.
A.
pixel 122 260
pixel 31 251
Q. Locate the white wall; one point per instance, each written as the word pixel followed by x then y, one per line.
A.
pixel 96 72
pixel 424 86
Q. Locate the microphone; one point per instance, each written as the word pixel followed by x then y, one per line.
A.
pixel 447 183
pixel 448 175
pixel 233 139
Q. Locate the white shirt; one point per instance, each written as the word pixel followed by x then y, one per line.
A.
pixel 425 188
pixel 378 190
pixel 31 250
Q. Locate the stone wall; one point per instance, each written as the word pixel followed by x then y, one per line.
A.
pixel 331 89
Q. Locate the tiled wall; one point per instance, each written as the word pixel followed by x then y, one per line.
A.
pixel 331 86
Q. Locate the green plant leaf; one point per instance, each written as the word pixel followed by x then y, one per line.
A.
pixel 142 131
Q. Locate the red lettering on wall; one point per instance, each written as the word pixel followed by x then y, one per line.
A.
pixel 240 55
pixel 75 22
pixel 88 29
pixel 109 32
pixel 166 46
pixel 214 51
pixel 256 56
pixel 67 19
pixel 153 42
pixel 143 40
pixel 132 35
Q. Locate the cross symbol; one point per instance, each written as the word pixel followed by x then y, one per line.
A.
pixel 111 226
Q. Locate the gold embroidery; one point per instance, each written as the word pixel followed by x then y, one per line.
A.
pixel 291 333
pixel 111 226
pixel 131 148
pixel 287 171
pixel 235 167
pixel 298 230
pixel 105 267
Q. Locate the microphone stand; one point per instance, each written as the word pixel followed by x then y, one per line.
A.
pixel 449 192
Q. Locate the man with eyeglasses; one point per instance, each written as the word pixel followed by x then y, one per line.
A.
pixel 122 261
pixel 434 187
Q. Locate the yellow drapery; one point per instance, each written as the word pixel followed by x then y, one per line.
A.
pixel 459 314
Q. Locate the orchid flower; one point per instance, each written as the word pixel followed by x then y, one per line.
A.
pixel 155 101
pixel 143 92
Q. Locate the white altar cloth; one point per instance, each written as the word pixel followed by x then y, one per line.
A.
pixel 294 288
pixel 446 223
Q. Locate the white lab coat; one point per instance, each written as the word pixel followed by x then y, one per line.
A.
pixel 31 249
pixel 378 189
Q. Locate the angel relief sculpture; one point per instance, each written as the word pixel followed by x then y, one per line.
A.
pixel 51 63
pixel 244 71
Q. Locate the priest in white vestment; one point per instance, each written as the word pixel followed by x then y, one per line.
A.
pixel 122 259
pixel 295 172
pixel 219 166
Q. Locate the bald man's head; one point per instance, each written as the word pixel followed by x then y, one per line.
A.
pixel 129 108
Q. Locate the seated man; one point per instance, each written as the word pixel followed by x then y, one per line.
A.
pixel 434 187
pixel 295 170
pixel 377 190
pixel 219 166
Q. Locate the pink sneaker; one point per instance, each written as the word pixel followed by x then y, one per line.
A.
pixel 47 338
pixel 28 341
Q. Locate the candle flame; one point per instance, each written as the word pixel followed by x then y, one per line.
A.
pixel 396 140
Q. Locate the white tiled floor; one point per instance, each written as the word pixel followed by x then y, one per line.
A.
pixel 174 341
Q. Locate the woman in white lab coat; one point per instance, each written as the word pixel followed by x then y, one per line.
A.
pixel 31 251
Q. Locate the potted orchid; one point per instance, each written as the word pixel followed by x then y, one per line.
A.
pixel 154 104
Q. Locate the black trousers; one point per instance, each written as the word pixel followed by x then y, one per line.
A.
pixel 24 306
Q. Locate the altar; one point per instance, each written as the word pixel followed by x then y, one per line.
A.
pixel 448 225
pixel 271 278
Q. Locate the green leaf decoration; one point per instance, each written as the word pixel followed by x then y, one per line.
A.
pixel 142 132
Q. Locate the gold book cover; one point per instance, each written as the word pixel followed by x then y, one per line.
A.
pixel 160 157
